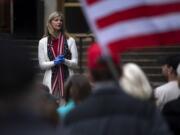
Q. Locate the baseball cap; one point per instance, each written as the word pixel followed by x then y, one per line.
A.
pixel 95 59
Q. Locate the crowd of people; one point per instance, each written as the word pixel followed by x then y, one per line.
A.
pixel 69 103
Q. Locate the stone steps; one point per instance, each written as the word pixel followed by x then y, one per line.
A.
pixel 146 58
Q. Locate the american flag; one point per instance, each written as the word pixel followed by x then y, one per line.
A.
pixel 122 24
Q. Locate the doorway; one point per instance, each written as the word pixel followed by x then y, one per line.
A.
pixel 28 18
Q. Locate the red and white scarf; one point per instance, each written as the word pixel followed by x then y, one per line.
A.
pixel 58 78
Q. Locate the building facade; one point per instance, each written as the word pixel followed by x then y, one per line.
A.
pixel 26 19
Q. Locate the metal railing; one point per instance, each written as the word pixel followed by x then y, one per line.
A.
pixel 82 39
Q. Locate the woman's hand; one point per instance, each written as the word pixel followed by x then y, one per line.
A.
pixel 59 59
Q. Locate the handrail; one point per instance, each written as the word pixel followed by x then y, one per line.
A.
pixel 81 37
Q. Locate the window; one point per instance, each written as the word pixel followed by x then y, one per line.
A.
pixel 74 18
pixel 71 0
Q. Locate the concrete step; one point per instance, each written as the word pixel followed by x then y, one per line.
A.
pixel 172 48
pixel 146 58
pixel 147 55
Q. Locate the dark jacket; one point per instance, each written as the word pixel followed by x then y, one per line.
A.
pixel 171 112
pixel 23 123
pixel 109 111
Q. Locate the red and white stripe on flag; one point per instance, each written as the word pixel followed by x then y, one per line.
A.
pixel 122 24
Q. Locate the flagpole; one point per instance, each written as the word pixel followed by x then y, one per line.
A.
pixel 110 64
pixel 112 69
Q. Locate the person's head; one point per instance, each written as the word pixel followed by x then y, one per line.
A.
pixel 46 92
pixel 77 87
pixel 17 70
pixel 97 64
pixel 55 23
pixel 49 104
pixel 135 82
pixel 169 65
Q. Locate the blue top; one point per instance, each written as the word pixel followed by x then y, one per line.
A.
pixel 65 109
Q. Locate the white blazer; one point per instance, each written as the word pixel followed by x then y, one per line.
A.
pixel 46 64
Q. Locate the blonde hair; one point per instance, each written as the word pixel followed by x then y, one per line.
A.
pixel 134 82
pixel 50 30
